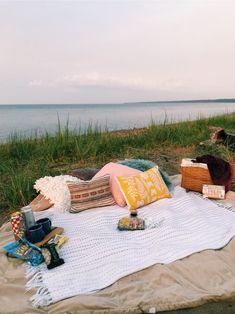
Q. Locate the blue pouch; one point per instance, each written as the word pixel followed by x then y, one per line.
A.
pixel 25 251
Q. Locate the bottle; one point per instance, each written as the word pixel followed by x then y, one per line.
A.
pixel 28 215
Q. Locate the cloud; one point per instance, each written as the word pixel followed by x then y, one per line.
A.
pixel 35 83
pixel 95 79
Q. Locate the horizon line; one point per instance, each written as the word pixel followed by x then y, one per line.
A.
pixel 129 102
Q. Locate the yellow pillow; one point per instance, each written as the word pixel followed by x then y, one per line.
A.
pixel 144 188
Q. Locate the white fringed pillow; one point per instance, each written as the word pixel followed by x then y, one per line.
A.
pixel 56 190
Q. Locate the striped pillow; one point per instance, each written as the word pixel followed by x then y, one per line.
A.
pixel 90 194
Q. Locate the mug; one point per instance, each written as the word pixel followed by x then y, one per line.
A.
pixel 35 233
pixel 46 224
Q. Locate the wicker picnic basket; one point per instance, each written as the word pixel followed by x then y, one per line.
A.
pixel 193 178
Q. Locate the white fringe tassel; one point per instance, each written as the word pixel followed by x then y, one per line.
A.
pixel 30 271
pixel 35 280
pixel 41 298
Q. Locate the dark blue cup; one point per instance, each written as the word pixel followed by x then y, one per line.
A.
pixel 46 224
pixel 35 233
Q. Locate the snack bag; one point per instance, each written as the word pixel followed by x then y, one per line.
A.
pixel 59 240
pixel 25 251
pixel 131 223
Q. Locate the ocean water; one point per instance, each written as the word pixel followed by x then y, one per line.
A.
pixel 36 119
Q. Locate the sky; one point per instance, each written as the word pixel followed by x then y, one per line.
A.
pixel 58 52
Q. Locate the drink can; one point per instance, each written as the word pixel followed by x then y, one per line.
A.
pixel 17 224
pixel 28 215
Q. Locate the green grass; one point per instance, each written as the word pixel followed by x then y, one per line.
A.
pixel 23 160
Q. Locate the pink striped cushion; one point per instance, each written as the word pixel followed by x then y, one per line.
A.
pixel 91 194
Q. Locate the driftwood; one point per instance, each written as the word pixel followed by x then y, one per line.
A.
pixel 220 136
pixel 40 203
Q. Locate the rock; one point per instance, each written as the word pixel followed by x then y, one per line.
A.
pixel 84 173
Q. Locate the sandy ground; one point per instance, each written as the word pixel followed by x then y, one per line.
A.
pixel 209 308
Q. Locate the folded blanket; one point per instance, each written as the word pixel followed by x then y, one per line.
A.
pixel 221 171
pixel 98 254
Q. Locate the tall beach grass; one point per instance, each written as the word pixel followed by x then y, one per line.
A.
pixel 23 160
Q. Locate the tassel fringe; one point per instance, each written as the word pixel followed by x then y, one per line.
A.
pixel 41 298
pixel 35 280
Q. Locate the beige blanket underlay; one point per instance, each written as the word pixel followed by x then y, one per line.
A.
pixel 190 282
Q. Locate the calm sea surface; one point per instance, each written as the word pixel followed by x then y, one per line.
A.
pixel 35 119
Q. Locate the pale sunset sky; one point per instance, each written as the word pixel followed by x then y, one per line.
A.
pixel 116 51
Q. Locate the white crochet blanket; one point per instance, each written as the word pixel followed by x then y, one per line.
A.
pixel 97 254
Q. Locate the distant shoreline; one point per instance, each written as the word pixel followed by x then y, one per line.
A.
pixel 33 120
pixel 218 100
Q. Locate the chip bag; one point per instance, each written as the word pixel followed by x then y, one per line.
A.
pixel 25 251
